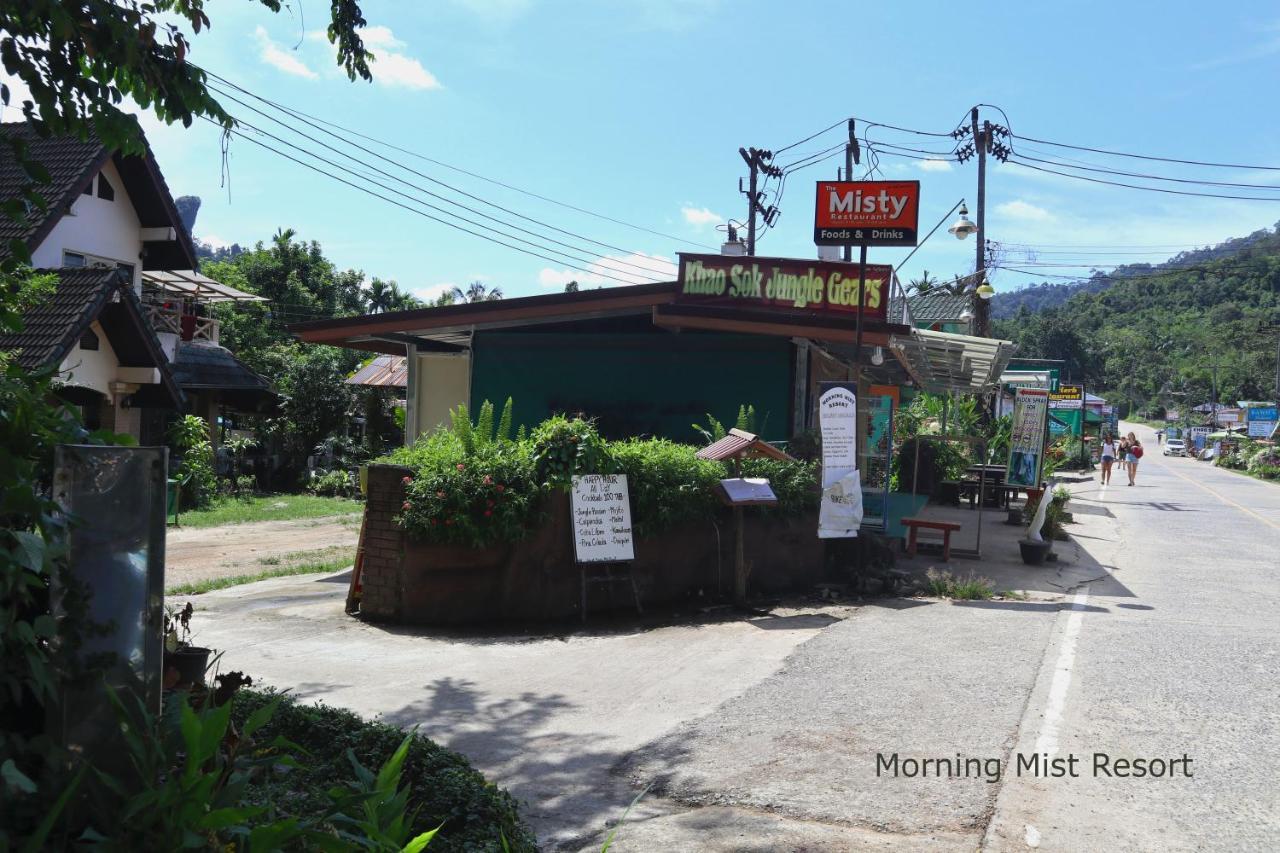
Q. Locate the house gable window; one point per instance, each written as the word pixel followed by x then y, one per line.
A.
pixel 74 259
pixel 105 190
pixel 89 340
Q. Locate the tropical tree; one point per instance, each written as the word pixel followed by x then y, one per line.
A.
pixel 924 284
pixel 477 291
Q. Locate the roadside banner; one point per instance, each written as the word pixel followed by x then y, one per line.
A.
pixel 840 514
pixel 1026 440
pixel 1261 429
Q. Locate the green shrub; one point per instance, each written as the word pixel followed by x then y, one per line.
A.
pixel 474 815
pixel 194 467
pixel 332 483
pixel 495 491
pixel 669 484
pixel 564 446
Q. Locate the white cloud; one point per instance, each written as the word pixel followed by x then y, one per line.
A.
pixel 1268 47
pixel 700 216
pixel 432 292
pixel 281 59
pixel 213 241
pixel 396 69
pixel 378 36
pixel 934 165
pixel 1024 211
pixel 636 268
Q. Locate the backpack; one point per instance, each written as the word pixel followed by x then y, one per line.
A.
pixel 1136 450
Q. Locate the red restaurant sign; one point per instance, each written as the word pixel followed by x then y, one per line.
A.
pixel 782 284
pixel 867 213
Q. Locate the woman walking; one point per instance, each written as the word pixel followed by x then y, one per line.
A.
pixel 1132 455
pixel 1108 457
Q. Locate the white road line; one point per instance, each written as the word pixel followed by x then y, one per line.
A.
pixel 1047 741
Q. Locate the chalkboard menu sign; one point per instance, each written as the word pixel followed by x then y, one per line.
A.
pixel 601 508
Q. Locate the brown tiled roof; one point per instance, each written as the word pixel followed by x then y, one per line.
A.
pixel 52 327
pixel 71 164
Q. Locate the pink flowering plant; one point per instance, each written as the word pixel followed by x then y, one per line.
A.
pixel 481 499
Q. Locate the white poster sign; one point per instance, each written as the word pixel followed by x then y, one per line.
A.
pixel 601 509
pixel 1261 429
pixel 840 514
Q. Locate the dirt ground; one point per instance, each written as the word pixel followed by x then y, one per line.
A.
pixel 197 554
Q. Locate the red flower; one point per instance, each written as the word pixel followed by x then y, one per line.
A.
pixel 461 467
pixel 488 503
pixel 406 480
pixel 488 512
pixel 406 506
pixel 500 487
pixel 488 481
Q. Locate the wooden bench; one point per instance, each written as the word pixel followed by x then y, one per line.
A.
pixel 947 527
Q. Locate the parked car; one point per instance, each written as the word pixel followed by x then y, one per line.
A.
pixel 1175 447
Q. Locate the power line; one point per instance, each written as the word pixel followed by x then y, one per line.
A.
pixel 1102 170
pixel 450 224
pixel 1166 190
pixel 351 132
pixel 339 166
pixel 647 270
pixel 1150 156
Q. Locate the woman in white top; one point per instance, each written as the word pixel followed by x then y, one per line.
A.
pixel 1108 457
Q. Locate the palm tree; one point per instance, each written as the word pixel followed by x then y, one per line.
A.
pixel 380 296
pixel 477 292
pixel 924 284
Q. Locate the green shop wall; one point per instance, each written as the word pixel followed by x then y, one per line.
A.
pixel 636 384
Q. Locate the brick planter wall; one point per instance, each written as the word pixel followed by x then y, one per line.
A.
pixel 413 582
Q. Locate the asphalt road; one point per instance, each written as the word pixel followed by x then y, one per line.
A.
pixel 1176 655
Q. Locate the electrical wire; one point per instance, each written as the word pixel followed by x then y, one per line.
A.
pixel 605 262
pixel 1017 161
pixel 442 221
pixel 1121 173
pixel 355 133
pixel 648 270
pixel 1150 156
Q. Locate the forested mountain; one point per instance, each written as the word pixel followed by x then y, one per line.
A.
pixel 1037 297
pixel 1153 334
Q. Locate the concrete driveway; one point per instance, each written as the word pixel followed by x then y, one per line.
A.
pixel 547 717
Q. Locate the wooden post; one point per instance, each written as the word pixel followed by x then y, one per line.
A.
pixel 739 559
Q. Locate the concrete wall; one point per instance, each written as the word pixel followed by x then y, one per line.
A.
pixel 537 579
pixel 94 369
pixel 107 229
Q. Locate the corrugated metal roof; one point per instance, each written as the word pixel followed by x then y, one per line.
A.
pixel 941 361
pixel 739 443
pixel 939 305
pixel 385 371
pixel 193 284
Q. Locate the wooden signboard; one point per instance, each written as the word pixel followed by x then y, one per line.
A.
pixel 601 509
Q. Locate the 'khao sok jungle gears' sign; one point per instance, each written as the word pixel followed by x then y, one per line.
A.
pixel 783 284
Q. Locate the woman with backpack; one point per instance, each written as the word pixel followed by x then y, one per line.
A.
pixel 1132 455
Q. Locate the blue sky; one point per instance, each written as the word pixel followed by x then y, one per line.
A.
pixel 636 110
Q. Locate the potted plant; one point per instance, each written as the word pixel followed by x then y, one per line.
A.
pixel 1035 548
pixel 184 663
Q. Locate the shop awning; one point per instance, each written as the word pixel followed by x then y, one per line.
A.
pixel 193 284
pixel 1027 378
pixel 942 361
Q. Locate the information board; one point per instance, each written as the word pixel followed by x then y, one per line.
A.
pixel 601 509
pixel 1026 439
pixel 749 490
pixel 840 514
pixel 1261 429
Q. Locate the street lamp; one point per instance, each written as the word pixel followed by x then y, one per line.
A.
pixel 985 290
pixel 963 226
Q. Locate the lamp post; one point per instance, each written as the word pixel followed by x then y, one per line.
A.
pixel 980 321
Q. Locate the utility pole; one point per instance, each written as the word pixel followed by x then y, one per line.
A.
pixel 981 311
pixel 851 156
pixel 758 160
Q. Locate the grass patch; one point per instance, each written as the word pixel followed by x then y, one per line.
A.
pixel 968 588
pixel 445 790
pixel 276 568
pixel 269 508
